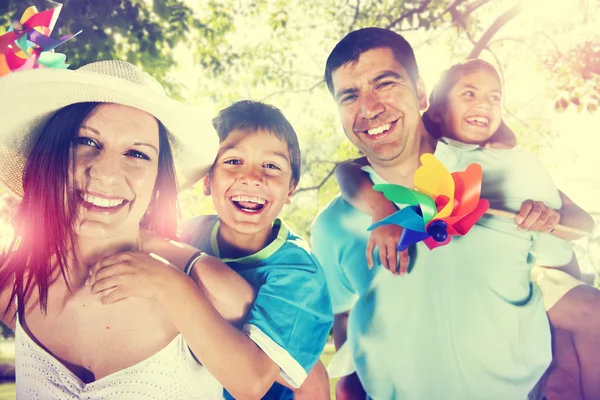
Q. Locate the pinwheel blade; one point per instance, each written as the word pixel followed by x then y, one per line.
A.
pixel 465 224
pixel 53 60
pixel 408 218
pixel 432 244
pixel 433 179
pixel 467 186
pixel 402 195
pixel 410 237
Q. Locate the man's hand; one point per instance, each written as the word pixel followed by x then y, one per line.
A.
pixel 536 216
pixel 386 237
pixel 131 274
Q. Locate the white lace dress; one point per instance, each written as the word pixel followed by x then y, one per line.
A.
pixel 171 373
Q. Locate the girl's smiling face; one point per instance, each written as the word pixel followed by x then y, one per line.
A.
pixel 473 109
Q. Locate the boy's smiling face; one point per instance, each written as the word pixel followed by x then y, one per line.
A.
pixel 251 181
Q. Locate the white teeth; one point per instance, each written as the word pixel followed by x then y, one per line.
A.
pixel 100 201
pixel 479 120
pixel 250 199
pixel 379 129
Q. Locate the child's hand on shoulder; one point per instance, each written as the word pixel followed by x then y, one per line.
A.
pixel 536 216
pixel 131 274
pixel 385 238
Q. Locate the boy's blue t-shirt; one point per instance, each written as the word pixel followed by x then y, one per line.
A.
pixel 466 322
pixel 291 317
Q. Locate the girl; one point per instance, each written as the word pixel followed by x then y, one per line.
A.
pixel 465 113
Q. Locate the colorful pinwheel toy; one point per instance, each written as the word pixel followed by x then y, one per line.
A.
pixel 27 43
pixel 443 204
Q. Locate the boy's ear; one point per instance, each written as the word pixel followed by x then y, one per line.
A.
pixel 422 94
pixel 290 193
pixel 207 184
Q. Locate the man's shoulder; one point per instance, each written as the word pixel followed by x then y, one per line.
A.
pixel 335 216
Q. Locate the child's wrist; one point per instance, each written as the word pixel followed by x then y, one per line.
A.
pixel 383 211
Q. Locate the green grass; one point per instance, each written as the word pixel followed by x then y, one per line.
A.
pixel 8 391
pixel 7 388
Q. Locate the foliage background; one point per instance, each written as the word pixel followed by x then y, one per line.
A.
pixel 211 53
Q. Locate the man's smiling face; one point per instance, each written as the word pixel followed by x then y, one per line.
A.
pixel 379 105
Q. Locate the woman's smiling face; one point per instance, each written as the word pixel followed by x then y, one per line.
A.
pixel 114 169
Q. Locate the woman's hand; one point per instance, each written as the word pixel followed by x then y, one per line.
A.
pixel 131 274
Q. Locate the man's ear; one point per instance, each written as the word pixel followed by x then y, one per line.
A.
pixel 290 193
pixel 206 182
pixel 422 94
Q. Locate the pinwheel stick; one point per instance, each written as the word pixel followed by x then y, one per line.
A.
pixel 561 231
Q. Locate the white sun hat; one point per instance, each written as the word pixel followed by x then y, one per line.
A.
pixel 31 97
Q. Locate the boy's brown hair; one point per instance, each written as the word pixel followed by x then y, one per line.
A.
pixel 253 116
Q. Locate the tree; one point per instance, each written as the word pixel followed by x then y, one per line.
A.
pixel 133 30
pixel 275 51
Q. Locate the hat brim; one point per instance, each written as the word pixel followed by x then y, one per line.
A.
pixel 32 97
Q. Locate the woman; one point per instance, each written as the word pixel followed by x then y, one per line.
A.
pixel 90 152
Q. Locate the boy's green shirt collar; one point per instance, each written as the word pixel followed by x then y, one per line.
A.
pixel 263 254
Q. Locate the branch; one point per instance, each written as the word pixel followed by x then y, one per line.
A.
pixel 320 185
pixel 407 14
pixel 475 6
pixel 356 9
pixel 499 64
pixel 310 89
pixel 515 117
pixel 493 29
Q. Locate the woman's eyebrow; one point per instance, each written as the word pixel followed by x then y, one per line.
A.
pixel 146 144
pixel 89 128
pixel 97 132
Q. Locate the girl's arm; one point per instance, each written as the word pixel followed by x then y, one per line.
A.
pixel 536 216
pixel 574 216
pixel 357 189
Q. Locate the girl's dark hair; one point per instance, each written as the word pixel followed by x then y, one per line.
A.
pixel 438 99
pixel 44 222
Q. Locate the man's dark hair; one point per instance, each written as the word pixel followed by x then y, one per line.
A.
pixel 253 116
pixel 355 43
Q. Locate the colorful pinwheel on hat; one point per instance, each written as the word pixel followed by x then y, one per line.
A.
pixel 442 205
pixel 27 43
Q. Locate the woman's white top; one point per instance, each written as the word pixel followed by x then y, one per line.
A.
pixel 171 373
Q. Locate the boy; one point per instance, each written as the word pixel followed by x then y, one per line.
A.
pixel 255 174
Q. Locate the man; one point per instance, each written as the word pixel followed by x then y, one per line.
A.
pixel 454 327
